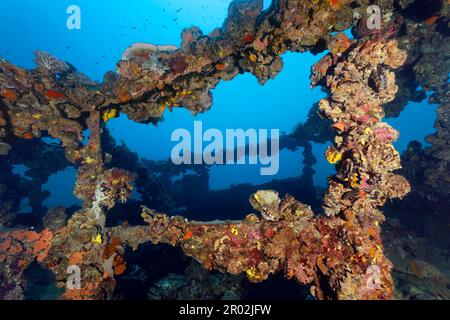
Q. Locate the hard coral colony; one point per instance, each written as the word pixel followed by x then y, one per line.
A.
pixel 337 251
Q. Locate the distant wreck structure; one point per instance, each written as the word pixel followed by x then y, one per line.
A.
pixel 338 251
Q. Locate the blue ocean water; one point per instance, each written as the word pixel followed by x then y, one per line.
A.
pixel 109 27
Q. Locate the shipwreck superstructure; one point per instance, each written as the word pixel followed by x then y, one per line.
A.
pixel 338 250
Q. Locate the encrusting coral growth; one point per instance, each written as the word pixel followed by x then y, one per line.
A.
pixel 340 253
